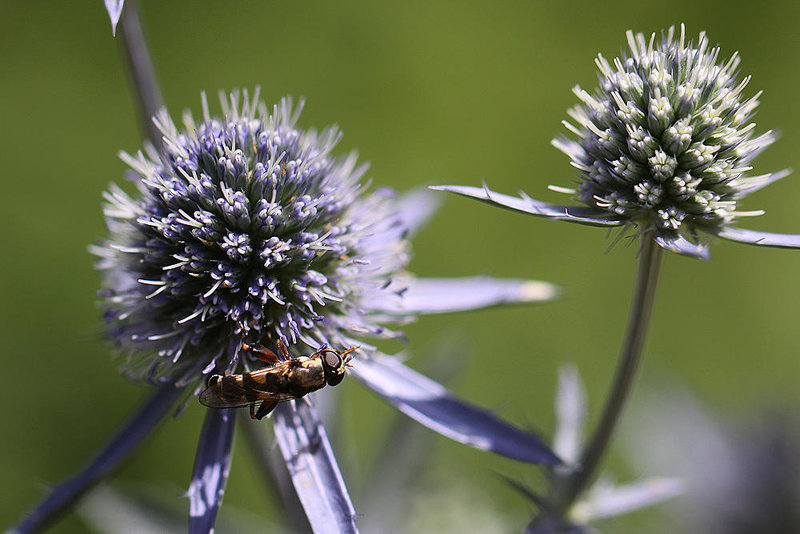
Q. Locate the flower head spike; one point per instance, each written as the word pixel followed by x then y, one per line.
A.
pixel 114 8
pixel 246 231
pixel 664 143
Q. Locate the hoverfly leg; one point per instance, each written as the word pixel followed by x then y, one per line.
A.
pixel 262 353
pixel 284 350
pixel 252 410
pixel 345 355
pixel 267 405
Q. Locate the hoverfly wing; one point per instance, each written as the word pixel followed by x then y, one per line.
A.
pixel 211 399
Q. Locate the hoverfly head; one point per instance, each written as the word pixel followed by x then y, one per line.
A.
pixel 334 364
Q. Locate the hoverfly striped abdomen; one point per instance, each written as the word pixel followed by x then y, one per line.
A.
pixel 292 378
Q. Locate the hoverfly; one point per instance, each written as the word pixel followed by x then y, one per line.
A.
pixel 286 379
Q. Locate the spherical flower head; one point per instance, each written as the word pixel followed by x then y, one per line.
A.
pixel 244 227
pixel 664 142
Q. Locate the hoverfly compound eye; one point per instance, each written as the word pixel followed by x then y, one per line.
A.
pixel 333 366
pixel 332 360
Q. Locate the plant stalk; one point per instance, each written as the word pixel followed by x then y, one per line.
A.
pixel 650 259
pixel 141 74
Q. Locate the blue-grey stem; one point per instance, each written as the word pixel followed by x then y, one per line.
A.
pixel 142 76
pixel 650 256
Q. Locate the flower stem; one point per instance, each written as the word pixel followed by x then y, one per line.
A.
pixel 650 256
pixel 142 76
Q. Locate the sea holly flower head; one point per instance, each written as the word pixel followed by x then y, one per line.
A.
pixel 664 143
pixel 245 230
pixel 245 227
pixel 666 139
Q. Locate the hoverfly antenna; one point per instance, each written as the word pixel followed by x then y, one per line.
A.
pixel 347 356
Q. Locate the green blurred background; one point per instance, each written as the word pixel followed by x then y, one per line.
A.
pixel 450 92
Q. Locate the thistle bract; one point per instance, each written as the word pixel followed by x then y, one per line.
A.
pixel 663 145
pixel 244 226
pixel 665 141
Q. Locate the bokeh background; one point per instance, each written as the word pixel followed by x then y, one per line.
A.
pixel 428 92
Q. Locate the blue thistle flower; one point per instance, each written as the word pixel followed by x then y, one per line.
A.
pixel 246 227
pixel 664 144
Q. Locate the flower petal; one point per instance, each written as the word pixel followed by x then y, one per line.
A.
pixel 114 8
pixel 525 204
pixel 754 183
pixel 432 405
pixel 604 502
pixel 443 295
pixel 680 245
pixel 570 414
pixel 211 466
pixel 754 237
pixel 416 207
pixel 111 456
pixel 313 468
